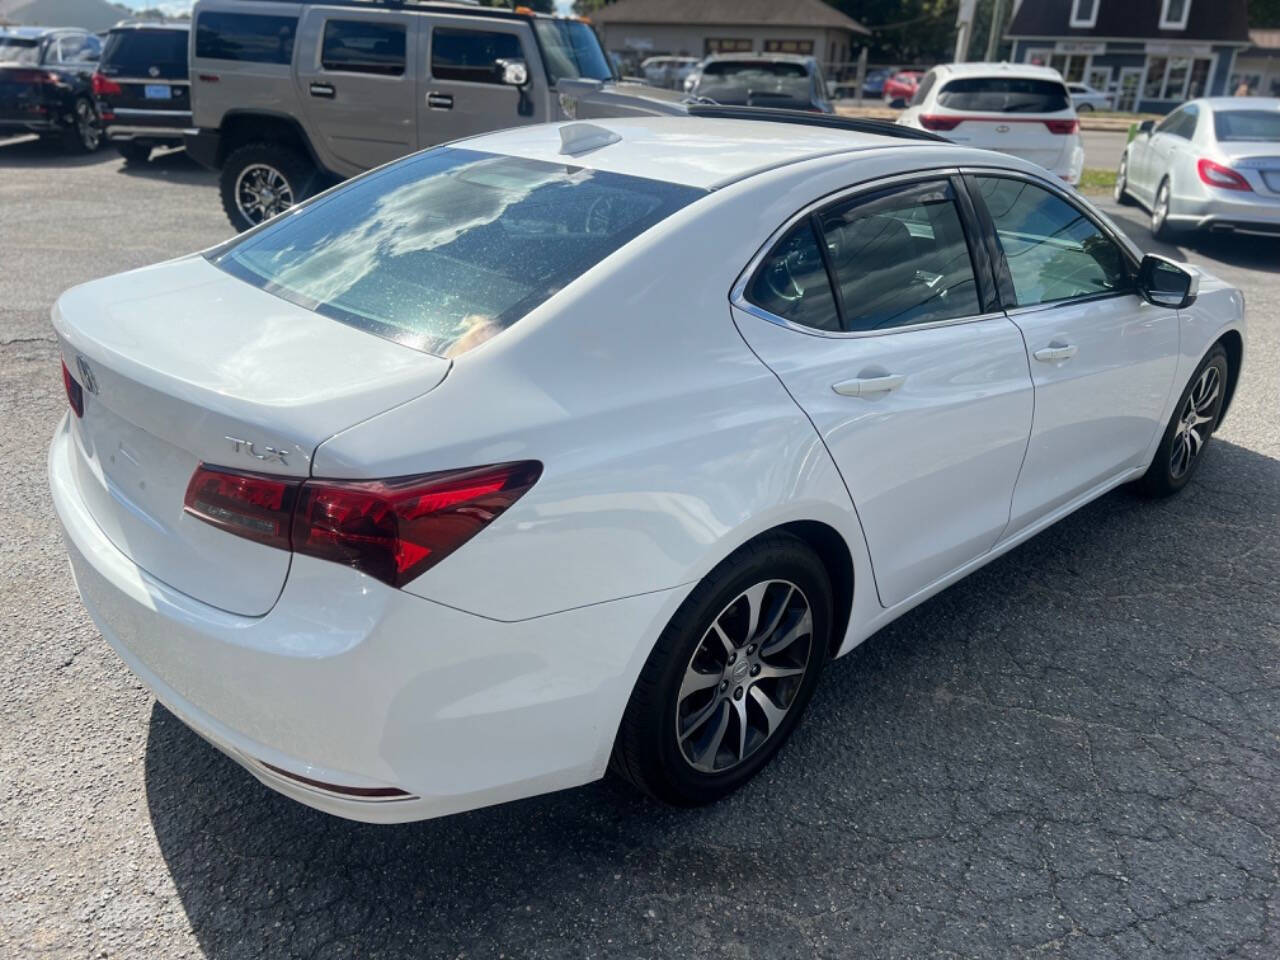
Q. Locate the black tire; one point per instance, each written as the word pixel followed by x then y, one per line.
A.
pixel 1121 190
pixel 83 133
pixel 296 171
pixel 1164 478
pixel 1161 229
pixel 648 752
pixel 1085 108
pixel 133 151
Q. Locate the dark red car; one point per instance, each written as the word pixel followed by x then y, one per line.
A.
pixel 902 86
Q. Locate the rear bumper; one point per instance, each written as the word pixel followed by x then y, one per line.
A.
pixel 350 683
pixel 202 146
pixel 117 131
pixel 1257 216
pixel 165 125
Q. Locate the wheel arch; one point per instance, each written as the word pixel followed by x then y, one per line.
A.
pixel 1233 343
pixel 240 127
pixel 833 550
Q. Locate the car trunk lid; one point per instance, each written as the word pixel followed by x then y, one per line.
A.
pixel 181 364
pixel 1031 138
pixel 1258 163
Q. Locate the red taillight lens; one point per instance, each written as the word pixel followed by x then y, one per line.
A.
pixel 1063 126
pixel 397 529
pixel 102 86
pixel 75 394
pixel 32 76
pixel 1216 175
pixel 252 505
pixel 932 121
pixel 390 529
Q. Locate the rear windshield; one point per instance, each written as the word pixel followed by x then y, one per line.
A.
pixel 571 50
pixel 1247 125
pixel 444 249
pixel 18 50
pixel 132 53
pixel 745 69
pixel 1004 95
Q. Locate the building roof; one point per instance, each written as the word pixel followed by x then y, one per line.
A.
pixel 1264 43
pixel 1221 20
pixel 746 13
pixel 695 151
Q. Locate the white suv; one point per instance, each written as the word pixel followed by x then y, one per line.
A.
pixel 1017 109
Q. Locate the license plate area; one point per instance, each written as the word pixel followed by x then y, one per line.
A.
pixel 157 91
pixel 1272 179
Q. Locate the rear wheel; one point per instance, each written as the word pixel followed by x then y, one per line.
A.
pixel 133 151
pixel 84 135
pixel 1085 108
pixel 730 676
pixel 261 180
pixel 1187 435
pixel 1161 229
pixel 1121 190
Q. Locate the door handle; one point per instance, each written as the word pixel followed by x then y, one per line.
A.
pixel 325 90
pixel 869 386
pixel 440 101
pixel 1056 352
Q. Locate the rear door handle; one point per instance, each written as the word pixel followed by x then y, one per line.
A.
pixel 869 386
pixel 1056 352
pixel 440 101
pixel 325 90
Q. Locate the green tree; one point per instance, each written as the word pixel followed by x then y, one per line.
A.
pixel 1264 14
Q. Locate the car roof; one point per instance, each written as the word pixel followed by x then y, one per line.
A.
pixel 150 25
pixel 750 55
pixel 36 33
pixel 1239 103
pixel 1003 69
pixel 704 152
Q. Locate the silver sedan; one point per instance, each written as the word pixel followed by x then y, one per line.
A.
pixel 1212 164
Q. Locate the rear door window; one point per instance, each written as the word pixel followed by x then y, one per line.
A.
pixel 133 53
pixel 442 250
pixel 252 37
pixel 20 51
pixel 1004 95
pixel 471 54
pixel 359 46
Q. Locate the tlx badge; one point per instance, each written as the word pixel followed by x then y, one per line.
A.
pixel 264 452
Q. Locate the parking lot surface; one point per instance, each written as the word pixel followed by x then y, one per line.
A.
pixel 1073 753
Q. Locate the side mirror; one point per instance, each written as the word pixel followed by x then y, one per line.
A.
pixel 1146 126
pixel 513 73
pixel 1167 284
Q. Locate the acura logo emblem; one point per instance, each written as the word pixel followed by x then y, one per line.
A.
pixel 1003 128
pixel 87 379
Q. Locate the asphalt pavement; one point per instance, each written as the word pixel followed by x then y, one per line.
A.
pixel 1073 753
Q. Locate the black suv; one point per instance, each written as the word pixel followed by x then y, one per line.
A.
pixel 45 85
pixel 142 88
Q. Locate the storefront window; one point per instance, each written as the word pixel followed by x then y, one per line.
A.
pixel 802 47
pixel 727 45
pixel 1153 88
pixel 1199 84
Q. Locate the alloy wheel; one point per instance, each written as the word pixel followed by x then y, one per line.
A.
pixel 1160 211
pixel 1121 177
pixel 1196 422
pixel 262 192
pixel 87 126
pixel 744 675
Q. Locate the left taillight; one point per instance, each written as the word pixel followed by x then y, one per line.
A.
pixel 104 86
pixel 75 393
pixel 1216 175
pixel 1063 126
pixel 393 530
pixel 936 122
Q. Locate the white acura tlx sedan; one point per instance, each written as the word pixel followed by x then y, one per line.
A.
pixel 583 447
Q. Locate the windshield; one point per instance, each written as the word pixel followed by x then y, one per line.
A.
pixel 1231 125
pixel 1004 95
pixel 18 50
pixel 132 53
pixel 442 250
pixel 571 50
pixel 744 71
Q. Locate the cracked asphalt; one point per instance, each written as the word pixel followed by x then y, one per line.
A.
pixel 1074 753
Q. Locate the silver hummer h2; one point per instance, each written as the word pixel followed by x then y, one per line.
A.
pixel 287 97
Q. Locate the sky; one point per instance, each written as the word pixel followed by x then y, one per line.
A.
pixel 562 6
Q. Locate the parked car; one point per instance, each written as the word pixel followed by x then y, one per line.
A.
pixel 1212 164
pixel 873 83
pixel 290 99
pixel 142 88
pixel 1086 99
pixel 45 86
pixel 668 72
pixel 1017 109
pixel 779 80
pixel 900 87
pixel 460 483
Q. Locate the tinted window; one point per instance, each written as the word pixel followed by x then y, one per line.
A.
pixel 1004 95
pixel 79 48
pixel 244 36
pixel 132 53
pixel 16 50
pixel 792 282
pixel 926 85
pixel 746 69
pixel 900 258
pixel 1247 125
pixel 470 54
pixel 444 249
pixel 572 50
pixel 358 46
pixel 1054 251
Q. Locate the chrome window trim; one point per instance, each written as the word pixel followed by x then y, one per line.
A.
pixel 153 81
pixel 737 295
pixel 140 112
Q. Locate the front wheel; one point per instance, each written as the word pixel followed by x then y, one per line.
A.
pixel 1187 435
pixel 730 676
pixel 1121 190
pixel 262 180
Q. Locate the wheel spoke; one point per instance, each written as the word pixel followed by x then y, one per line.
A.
pixel 801 628
pixel 695 680
pixel 740 709
pixel 723 637
pixel 755 604
pixel 1194 443
pixel 773 713
pixel 699 719
pixel 707 756
pixel 775 617
pixel 770 672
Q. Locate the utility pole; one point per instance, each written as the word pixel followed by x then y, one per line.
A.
pixel 997 28
pixel 964 29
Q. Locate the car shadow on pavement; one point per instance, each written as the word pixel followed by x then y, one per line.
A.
pixel 34 152
pixel 1028 751
pixel 172 165
pixel 1238 250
